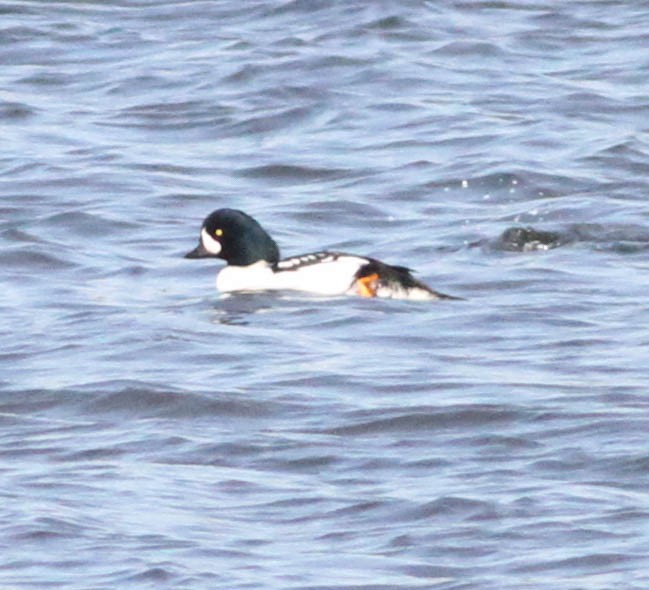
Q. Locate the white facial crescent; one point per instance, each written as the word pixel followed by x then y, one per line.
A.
pixel 209 243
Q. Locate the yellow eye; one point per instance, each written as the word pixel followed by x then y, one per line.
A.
pixel 218 233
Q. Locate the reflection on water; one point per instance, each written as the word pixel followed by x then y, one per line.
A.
pixel 234 310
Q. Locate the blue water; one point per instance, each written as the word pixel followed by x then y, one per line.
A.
pixel 157 435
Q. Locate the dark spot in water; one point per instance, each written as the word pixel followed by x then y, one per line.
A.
pixel 526 239
pixel 14 111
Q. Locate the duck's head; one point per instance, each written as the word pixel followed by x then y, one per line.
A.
pixel 236 238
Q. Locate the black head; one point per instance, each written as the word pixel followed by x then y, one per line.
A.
pixel 235 237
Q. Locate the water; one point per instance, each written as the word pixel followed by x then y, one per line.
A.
pixel 155 435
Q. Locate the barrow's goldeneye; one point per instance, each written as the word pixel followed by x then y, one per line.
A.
pixel 253 264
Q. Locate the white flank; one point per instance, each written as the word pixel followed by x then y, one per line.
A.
pixel 321 275
pixel 209 243
pixel 327 277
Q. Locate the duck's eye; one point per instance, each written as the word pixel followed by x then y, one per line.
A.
pixel 218 233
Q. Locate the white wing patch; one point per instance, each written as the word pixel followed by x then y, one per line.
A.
pixel 297 262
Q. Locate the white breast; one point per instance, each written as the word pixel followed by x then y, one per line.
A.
pixel 254 277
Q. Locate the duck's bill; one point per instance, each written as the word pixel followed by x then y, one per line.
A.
pixel 199 252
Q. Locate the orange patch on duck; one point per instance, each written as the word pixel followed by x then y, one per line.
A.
pixel 367 286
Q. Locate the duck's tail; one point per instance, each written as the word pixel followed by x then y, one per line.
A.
pixel 377 279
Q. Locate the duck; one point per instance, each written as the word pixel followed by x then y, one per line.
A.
pixel 253 263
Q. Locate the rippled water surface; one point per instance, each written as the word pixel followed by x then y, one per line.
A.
pixel 156 435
